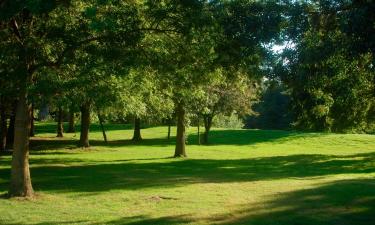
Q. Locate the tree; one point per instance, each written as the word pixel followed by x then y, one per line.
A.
pixel 43 36
pixel 147 98
pixel 228 95
pixel 272 110
pixel 184 56
pixel 331 82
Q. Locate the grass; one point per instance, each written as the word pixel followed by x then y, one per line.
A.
pixel 244 177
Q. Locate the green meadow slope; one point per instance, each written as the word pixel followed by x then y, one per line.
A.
pixel 243 177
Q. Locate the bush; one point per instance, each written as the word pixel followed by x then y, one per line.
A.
pixel 232 121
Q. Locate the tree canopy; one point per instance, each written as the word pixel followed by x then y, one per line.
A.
pixel 156 60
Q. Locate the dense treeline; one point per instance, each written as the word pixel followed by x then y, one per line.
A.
pixel 177 61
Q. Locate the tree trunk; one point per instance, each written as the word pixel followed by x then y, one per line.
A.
pixel 32 127
pixel 199 133
pixel 85 126
pixel 12 121
pixel 60 124
pixel 169 131
pixel 169 121
pixel 181 136
pixel 71 128
pixel 207 126
pixel 3 127
pixel 137 129
pixel 20 183
pixel 102 127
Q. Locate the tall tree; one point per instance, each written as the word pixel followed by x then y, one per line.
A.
pixel 330 80
pixel 43 36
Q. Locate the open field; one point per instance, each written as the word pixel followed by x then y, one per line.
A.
pixel 244 177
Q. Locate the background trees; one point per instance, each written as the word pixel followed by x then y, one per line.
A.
pixel 154 59
pixel 331 81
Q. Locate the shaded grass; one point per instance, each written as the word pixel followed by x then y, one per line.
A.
pixel 242 177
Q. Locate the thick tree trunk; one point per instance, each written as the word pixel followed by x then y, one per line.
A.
pixel 137 130
pixel 207 126
pixel 10 133
pixel 3 127
pixel 71 128
pixel 85 126
pixel 60 124
pixel 102 127
pixel 20 183
pixel 181 135
pixel 32 127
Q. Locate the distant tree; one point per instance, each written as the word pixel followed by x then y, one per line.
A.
pixel 226 96
pixel 184 56
pixel 272 111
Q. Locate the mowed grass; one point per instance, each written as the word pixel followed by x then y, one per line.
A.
pixel 243 177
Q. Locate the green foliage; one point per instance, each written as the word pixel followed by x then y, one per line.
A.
pixel 332 83
pixel 233 121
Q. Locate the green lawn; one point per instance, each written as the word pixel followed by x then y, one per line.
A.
pixel 243 177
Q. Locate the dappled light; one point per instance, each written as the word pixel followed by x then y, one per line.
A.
pixel 193 112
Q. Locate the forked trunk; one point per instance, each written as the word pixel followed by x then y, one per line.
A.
pixel 207 126
pixel 181 135
pixel 85 126
pixel 20 183
pixel 3 127
pixel 137 130
pixel 71 128
pixel 101 121
pixel 60 125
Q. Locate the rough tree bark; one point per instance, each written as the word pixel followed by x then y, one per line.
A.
pixel 3 126
pixel 101 121
pixel 207 126
pixel 60 125
pixel 20 183
pixel 181 135
pixel 12 121
pixel 85 126
pixel 137 129
pixel 32 127
pixel 71 128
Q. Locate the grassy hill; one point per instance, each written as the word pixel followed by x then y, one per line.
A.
pixel 243 177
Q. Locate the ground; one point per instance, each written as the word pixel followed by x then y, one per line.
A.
pixel 243 177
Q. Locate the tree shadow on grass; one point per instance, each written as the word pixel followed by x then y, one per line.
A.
pixel 51 127
pixel 39 145
pixel 135 220
pixel 159 142
pixel 250 137
pixel 135 175
pixel 144 220
pixel 217 137
pixel 345 202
